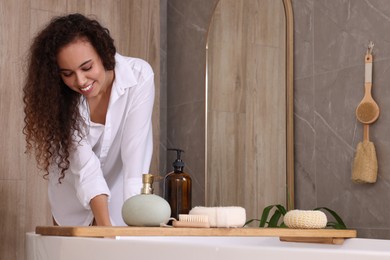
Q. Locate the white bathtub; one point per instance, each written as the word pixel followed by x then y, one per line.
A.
pixel 198 248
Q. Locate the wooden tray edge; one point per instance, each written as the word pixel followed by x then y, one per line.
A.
pixel 283 233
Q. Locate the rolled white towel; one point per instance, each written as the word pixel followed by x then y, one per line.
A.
pixel 222 216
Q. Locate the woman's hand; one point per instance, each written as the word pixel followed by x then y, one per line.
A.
pixel 99 206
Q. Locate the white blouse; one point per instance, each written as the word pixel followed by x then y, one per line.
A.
pixel 112 157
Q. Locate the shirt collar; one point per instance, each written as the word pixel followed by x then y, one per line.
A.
pixel 124 76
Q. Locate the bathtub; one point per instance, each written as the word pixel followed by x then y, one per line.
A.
pixel 40 247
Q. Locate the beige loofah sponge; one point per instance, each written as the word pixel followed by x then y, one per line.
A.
pixel 305 219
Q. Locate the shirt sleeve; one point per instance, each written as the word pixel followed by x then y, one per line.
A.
pixel 137 140
pixel 88 176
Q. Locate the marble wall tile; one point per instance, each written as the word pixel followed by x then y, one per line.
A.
pixel 188 135
pixel 337 95
pixel 304 132
pixel 327 92
pixel 188 24
pixel 187 30
pixel 304 144
pixel 374 232
pixel 303 38
pixel 343 29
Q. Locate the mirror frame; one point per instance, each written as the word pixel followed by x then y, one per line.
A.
pixel 290 190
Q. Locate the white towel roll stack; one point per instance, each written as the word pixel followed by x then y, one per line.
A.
pixel 222 216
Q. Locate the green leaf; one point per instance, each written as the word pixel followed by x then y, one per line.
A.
pixel 281 209
pixel 273 222
pixel 283 225
pixel 335 225
pixel 339 224
pixel 250 221
pixel 264 216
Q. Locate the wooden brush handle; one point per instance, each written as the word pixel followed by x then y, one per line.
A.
pixel 366 132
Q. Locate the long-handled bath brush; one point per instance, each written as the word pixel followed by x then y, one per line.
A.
pixel 365 165
pixel 367 112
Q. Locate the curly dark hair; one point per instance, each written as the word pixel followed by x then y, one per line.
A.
pixel 52 117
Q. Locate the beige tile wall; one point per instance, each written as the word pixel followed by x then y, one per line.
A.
pixel 135 26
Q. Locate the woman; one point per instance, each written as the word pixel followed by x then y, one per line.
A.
pixel 88 120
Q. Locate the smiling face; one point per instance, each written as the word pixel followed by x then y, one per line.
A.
pixel 82 69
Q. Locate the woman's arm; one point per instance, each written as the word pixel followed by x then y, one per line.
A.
pixel 91 187
pixel 99 206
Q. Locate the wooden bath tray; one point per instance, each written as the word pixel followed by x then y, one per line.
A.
pixel 327 236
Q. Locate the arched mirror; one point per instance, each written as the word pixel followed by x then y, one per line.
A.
pixel 249 105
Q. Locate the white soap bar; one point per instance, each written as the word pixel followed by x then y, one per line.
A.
pixel 222 216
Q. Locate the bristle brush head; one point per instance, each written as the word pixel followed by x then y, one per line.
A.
pixel 193 218
pixel 367 112
pixel 193 221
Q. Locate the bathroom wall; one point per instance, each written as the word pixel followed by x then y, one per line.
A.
pixel 163 95
pixel 135 26
pixel 330 42
pixel 187 28
pixel 331 38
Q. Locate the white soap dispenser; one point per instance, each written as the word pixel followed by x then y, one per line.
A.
pixel 146 209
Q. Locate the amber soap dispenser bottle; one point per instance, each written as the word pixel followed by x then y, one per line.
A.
pixel 177 187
